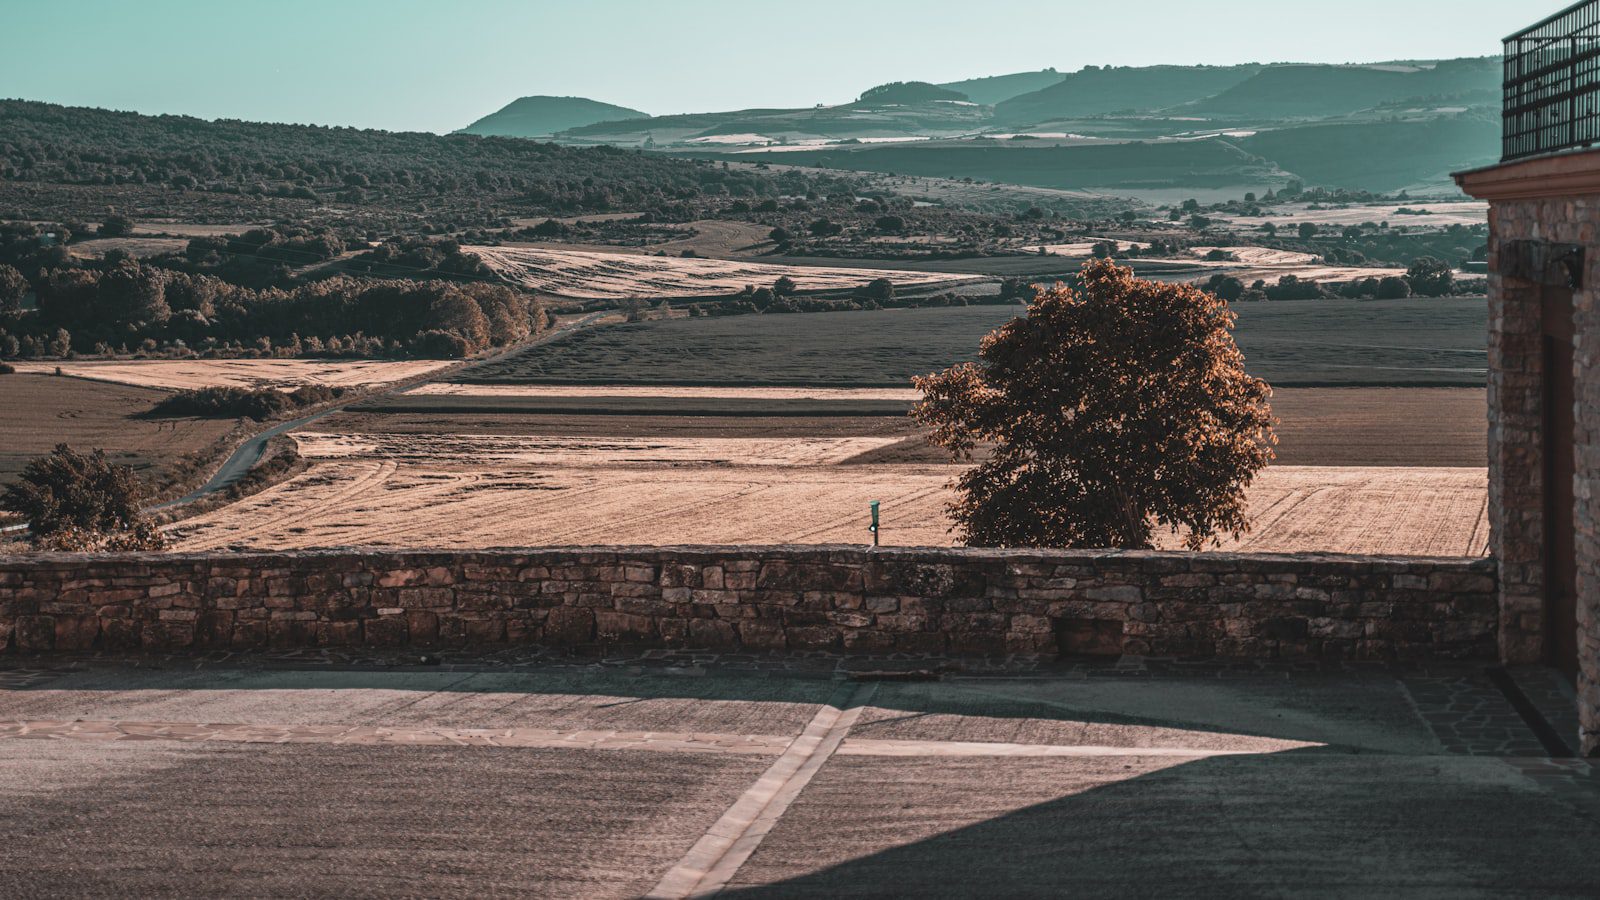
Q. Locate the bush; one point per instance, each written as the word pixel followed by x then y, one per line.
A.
pixel 7 369
pixel 116 226
pixel 1393 288
pixel 74 501
pixel 441 345
pixel 1430 277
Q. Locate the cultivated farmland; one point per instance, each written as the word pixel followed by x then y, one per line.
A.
pixel 1327 342
pixel 585 275
pixel 38 411
pixel 474 490
pixel 284 374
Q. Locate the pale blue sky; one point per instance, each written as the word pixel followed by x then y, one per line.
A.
pixel 437 65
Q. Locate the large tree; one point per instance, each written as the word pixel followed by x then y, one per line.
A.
pixel 1112 410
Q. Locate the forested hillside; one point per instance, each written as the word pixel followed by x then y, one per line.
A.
pixel 159 165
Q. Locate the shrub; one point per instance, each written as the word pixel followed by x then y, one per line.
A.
pixel 13 287
pixel 7 369
pixel 81 502
pixel 440 345
pixel 1393 288
pixel 116 226
pixel 1430 277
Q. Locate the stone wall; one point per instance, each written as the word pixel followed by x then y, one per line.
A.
pixel 1553 200
pixel 842 599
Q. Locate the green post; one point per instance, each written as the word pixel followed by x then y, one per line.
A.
pixel 874 526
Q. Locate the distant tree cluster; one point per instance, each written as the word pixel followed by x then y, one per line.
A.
pixel 906 92
pixel 235 402
pixel 126 304
pixel 1425 278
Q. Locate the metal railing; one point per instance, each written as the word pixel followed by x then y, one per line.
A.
pixel 1552 84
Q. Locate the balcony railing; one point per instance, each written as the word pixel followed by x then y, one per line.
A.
pixel 1552 84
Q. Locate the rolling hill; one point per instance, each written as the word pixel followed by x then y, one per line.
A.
pixel 996 88
pixel 1306 92
pixel 1095 91
pixel 1382 156
pixel 1371 126
pixel 545 116
pixel 1106 166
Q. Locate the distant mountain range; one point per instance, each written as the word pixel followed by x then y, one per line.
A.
pixel 545 116
pixel 1379 126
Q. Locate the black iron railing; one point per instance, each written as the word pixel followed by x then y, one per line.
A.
pixel 1552 85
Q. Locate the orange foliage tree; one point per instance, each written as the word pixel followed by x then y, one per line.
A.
pixel 1112 410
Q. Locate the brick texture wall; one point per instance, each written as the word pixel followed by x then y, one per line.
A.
pixel 1515 423
pixel 841 599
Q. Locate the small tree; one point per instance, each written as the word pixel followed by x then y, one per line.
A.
pixel 75 501
pixel 1112 409
pixel 784 286
pixel 1393 287
pixel 116 225
pixel 1430 277
pixel 13 287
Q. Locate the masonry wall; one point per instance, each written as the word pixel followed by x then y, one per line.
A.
pixel 1515 420
pixel 840 599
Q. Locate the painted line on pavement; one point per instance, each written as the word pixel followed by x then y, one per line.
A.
pixel 712 862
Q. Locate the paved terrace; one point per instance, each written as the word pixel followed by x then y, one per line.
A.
pixel 671 775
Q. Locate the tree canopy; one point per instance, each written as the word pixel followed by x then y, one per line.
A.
pixel 1113 409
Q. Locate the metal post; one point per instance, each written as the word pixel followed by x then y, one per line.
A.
pixel 874 526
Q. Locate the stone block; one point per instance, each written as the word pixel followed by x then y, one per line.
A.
pixel 385 631
pixel 568 626
pixel 35 633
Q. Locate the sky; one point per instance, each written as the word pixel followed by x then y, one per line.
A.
pixel 438 65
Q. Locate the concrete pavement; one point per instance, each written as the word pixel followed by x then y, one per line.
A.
pixel 578 780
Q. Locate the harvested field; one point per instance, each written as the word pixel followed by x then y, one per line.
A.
pixel 585 452
pixel 285 374
pixel 37 412
pixel 371 498
pixel 1082 249
pixel 1432 215
pixel 1415 342
pixel 586 275
pixel 1317 426
pixel 140 247
pixel 1386 511
pixel 1439 427
pixel 498 391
